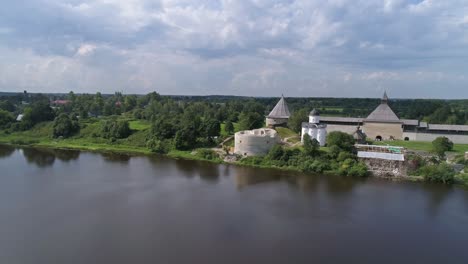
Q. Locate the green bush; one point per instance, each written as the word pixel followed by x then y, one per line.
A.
pixel 440 145
pixel 115 129
pixel 159 146
pixel 340 139
pixel 207 154
pixel 24 142
pixel 64 126
pixel 442 173
pixel 351 167
pixel 5 118
pixel 359 169
pixel 253 160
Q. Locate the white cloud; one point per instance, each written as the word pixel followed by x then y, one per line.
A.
pixel 296 47
pixel 85 49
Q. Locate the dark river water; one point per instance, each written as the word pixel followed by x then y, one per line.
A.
pixel 72 207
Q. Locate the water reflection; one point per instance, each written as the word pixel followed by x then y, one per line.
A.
pixel 209 172
pixel 437 194
pixel 188 168
pixel 6 151
pixel 244 177
pixel 206 171
pixel 116 158
pixel 39 157
pixel 67 155
pixel 341 184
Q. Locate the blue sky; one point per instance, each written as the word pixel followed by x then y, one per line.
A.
pixel 344 48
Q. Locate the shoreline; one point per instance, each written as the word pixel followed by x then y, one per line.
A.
pixel 185 155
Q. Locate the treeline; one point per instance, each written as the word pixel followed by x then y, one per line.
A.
pixel 174 123
pixel 186 122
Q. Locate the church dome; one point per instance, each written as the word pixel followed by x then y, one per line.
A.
pixel 314 112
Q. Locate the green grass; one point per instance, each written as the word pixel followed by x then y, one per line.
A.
pixel 331 108
pixel 223 125
pixel 139 125
pixel 420 145
pixel 286 132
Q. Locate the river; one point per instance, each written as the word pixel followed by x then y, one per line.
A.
pixel 61 206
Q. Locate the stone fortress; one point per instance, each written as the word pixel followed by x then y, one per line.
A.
pixel 381 124
pixel 255 142
pixel 260 141
pixel 384 124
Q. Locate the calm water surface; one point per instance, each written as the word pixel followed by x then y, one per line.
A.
pixel 72 207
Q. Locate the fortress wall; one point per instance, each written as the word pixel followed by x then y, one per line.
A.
pixel 386 168
pixel 249 144
pixel 276 121
pixel 385 130
pixel 350 129
pixel 429 137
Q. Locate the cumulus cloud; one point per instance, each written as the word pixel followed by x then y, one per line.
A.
pixel 413 48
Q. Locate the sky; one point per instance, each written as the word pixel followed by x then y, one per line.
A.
pixel 299 48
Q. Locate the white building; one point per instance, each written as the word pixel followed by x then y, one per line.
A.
pixel 314 129
pixel 279 115
pixel 19 118
pixel 255 142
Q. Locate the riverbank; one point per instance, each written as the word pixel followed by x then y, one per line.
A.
pixel 119 147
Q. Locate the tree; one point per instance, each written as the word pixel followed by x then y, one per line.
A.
pixel 5 118
pixel 38 112
pixel 311 146
pixel 64 126
pixel 229 128
pixel 116 129
pixel 162 128
pixel 440 145
pixel 250 120
pixel 7 106
pixel 442 173
pixel 340 139
pixel 211 127
pixel 158 146
pixel 130 103
pixel 185 139
pixel 296 119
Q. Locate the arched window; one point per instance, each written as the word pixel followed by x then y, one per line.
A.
pixel 406 138
pixel 378 138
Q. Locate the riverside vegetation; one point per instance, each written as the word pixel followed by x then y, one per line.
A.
pixel 182 127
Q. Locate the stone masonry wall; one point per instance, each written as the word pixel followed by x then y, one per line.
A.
pixel 386 168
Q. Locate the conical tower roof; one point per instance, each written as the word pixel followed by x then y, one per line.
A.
pixel 281 110
pixel 383 112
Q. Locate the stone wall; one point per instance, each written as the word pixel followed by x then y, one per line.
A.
pixel 271 122
pixel 384 130
pixel 253 142
pixel 386 168
pixel 429 137
pixel 350 129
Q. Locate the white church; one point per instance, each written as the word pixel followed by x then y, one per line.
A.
pixel 314 129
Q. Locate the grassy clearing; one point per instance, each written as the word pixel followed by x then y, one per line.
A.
pixel 139 125
pixel 421 146
pixel 223 132
pixel 286 132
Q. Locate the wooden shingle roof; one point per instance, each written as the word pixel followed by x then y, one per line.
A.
pixel 281 110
